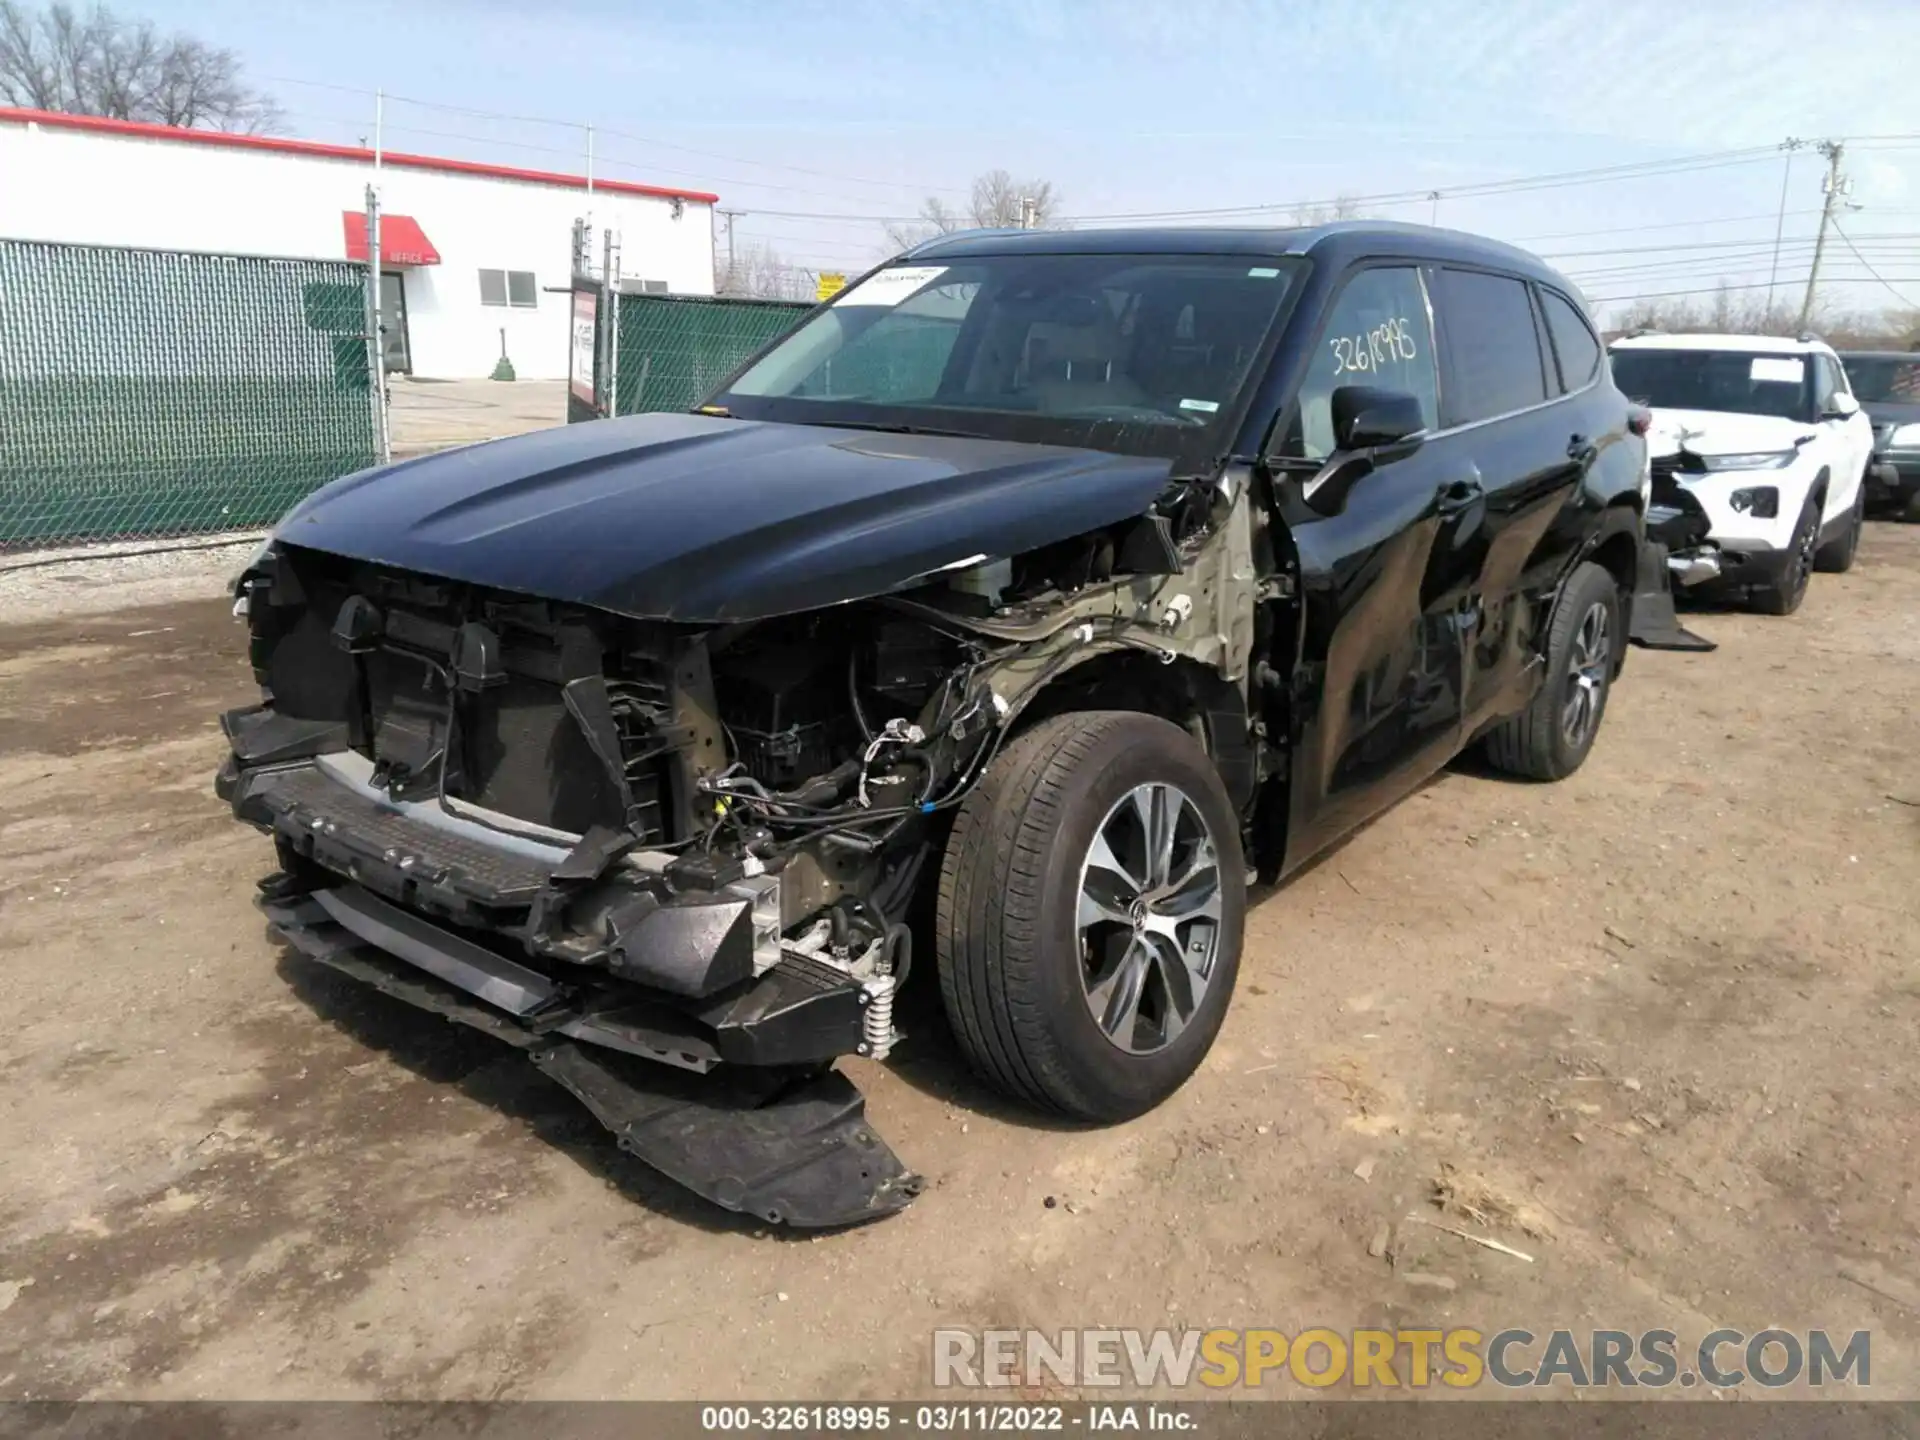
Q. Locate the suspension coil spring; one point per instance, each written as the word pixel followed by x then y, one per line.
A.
pixel 876 1025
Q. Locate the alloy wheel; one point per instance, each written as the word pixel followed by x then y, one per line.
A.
pixel 1149 917
pixel 1587 683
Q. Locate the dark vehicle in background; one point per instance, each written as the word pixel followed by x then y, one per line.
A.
pixel 996 624
pixel 1887 384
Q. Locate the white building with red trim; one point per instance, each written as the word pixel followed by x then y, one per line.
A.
pixel 474 256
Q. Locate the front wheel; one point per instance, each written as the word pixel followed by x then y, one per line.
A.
pixel 1783 595
pixel 1092 899
pixel 1550 738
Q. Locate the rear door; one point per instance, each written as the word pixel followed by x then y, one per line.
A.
pixel 1530 448
pixel 1380 661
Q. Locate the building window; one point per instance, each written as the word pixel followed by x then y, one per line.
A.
pixel 509 287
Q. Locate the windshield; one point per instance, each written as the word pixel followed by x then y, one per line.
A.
pixel 1731 380
pixel 1142 354
pixel 1891 382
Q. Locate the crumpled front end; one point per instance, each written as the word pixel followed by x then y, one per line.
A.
pixel 663 852
pixel 486 806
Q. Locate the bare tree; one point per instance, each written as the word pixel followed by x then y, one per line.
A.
pixel 1341 207
pixel 998 201
pixel 97 63
pixel 1726 312
pixel 757 272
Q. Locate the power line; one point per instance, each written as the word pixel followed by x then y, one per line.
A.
pixel 601 159
pixel 1890 248
pixel 1708 245
pixel 1761 285
pixel 1663 225
pixel 582 126
pixel 1848 240
pixel 1683 164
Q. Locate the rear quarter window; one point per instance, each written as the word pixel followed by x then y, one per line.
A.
pixel 1574 342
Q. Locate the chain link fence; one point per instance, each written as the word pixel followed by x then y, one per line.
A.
pixel 149 393
pixel 675 348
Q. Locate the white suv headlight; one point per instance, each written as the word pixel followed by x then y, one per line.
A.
pixel 1757 460
pixel 1905 435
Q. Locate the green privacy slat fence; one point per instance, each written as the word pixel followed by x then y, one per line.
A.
pixel 675 348
pixel 147 393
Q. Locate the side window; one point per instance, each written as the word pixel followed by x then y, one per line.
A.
pixel 1378 333
pixel 1492 346
pixel 1573 341
pixel 1827 383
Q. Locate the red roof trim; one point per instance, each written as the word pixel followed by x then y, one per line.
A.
pixel 319 150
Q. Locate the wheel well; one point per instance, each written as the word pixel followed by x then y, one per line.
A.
pixel 1120 680
pixel 1191 695
pixel 1819 490
pixel 1619 556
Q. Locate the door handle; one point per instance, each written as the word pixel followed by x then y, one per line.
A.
pixel 1458 495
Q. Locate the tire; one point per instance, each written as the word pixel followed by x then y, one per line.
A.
pixel 1783 596
pixel 1019 975
pixel 1543 742
pixel 1836 557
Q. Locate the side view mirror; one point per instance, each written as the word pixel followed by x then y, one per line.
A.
pixel 1841 407
pixel 1366 417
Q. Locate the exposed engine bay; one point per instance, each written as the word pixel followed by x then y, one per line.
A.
pixel 694 846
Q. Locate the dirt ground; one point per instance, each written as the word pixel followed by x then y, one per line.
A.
pixel 1653 1026
pixel 433 414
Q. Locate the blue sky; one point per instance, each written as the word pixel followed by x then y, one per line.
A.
pixel 798 111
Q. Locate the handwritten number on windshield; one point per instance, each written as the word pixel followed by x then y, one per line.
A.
pixel 1390 343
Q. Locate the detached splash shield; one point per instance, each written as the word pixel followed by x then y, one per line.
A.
pixel 1655 623
pixel 788 1145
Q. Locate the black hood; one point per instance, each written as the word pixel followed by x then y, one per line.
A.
pixel 694 518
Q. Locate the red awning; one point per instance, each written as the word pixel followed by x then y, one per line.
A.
pixel 402 241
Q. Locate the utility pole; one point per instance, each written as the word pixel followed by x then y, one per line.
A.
pixel 1434 196
pixel 1029 212
pixel 1835 187
pixel 732 274
pixel 376 328
pixel 1790 144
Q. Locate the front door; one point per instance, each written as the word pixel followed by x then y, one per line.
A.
pixel 1385 573
pixel 393 324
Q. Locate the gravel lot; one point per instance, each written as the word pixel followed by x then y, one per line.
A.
pixel 1654 1027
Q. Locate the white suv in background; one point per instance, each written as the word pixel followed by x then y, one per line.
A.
pixel 1763 438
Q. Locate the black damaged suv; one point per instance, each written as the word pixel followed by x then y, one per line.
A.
pixel 997 624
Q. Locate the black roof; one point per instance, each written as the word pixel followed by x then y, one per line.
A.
pixel 1338 243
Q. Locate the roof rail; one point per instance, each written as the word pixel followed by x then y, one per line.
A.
pixel 1645 330
pixel 970 230
pixel 1808 337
